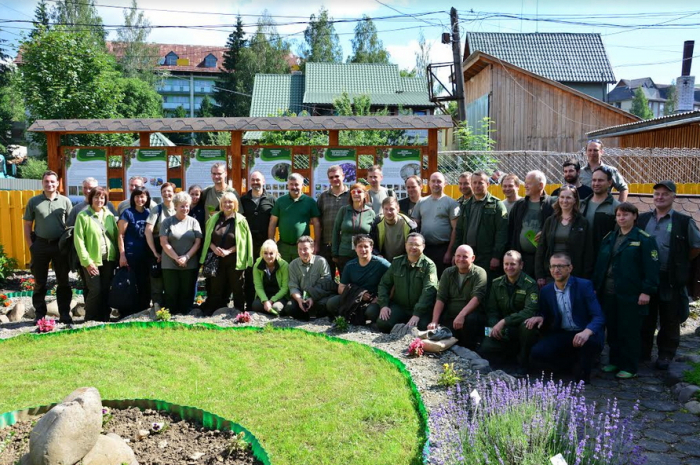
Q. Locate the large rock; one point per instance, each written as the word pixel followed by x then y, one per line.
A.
pixel 17 312
pixel 78 310
pixel 693 407
pixel 4 319
pixel 223 311
pixel 30 313
pixel 687 393
pixel 67 432
pixel 52 309
pixel 110 450
pixel 465 353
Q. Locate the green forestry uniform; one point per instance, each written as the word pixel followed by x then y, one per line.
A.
pixel 455 291
pixel 414 288
pixel 293 219
pixel 514 303
pixel 627 266
pixel 483 225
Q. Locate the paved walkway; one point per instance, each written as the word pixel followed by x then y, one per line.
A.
pixel 668 435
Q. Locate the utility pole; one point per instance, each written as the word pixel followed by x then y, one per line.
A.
pixel 457 58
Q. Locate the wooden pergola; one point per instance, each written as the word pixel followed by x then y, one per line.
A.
pixel 54 129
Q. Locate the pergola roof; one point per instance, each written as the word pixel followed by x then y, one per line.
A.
pixel 309 123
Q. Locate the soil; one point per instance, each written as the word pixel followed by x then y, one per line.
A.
pixel 180 442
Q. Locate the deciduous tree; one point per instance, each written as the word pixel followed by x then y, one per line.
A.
pixel 671 99
pixel 321 43
pixel 135 56
pixel 640 105
pixel 79 15
pixel 366 46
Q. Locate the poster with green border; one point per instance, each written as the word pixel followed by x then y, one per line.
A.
pixel 149 164
pixel 198 163
pixel 397 165
pixel 325 158
pixel 84 163
pixel 275 164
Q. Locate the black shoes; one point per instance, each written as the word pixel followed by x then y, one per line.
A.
pixel 662 363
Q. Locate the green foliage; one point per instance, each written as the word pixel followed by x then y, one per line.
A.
pixel 80 16
pixel 180 138
pixel 7 265
pixel 163 315
pixel 640 105
pixel 366 46
pixel 321 42
pixel 477 139
pixel 138 99
pixel 206 109
pixel 6 100
pixel 41 18
pixel 449 376
pixel 137 58
pixel 237 446
pixel 671 100
pixel 293 137
pixel 341 325
pixel 361 106
pixel 229 85
pixel 33 168
pixel 422 55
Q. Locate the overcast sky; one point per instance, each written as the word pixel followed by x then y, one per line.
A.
pixel 634 52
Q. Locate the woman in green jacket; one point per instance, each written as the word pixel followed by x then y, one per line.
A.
pixel 271 280
pixel 228 237
pixel 351 220
pixel 626 276
pixel 95 238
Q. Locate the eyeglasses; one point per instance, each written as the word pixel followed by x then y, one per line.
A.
pixel 595 141
pixel 559 267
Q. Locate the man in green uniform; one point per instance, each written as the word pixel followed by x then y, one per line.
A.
pixel 462 289
pixel 512 300
pixel 44 222
pixel 413 279
pixel 293 213
pixel 483 225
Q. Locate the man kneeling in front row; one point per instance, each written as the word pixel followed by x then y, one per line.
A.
pixel 513 298
pixel 573 320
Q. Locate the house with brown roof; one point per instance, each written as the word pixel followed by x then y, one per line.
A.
pixel 543 91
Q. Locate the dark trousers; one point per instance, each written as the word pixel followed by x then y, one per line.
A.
pixel 471 334
pixel 516 343
pixel 436 252
pixel 295 311
pixel 665 313
pixel 97 300
pixel 45 253
pixel 140 266
pixel 556 352
pixel 342 261
pixel 398 315
pixel 623 319
pixel 179 290
pixel 326 252
pixel 228 280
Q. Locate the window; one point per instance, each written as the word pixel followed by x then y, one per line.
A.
pixel 210 61
pixel 171 59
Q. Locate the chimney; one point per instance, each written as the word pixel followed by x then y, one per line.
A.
pixel 685 84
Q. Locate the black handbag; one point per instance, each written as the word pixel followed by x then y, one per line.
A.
pixel 122 292
pixel 211 262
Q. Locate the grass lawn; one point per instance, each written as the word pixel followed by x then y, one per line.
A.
pixel 308 400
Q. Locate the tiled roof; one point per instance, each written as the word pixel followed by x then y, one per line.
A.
pixel 678 119
pixel 561 57
pixel 688 204
pixel 194 53
pixel 275 93
pixel 383 83
pixel 302 123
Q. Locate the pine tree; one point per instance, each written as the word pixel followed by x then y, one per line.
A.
pixel 80 15
pixel 136 58
pixel 41 18
pixel 321 41
pixel 230 103
pixel 366 46
pixel 640 105
pixel 671 99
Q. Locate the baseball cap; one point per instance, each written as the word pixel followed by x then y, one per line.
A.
pixel 670 185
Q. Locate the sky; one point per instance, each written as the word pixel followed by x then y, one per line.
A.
pixel 641 41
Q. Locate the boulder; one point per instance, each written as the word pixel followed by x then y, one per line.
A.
pixel 223 311
pixel 143 314
pixel 503 376
pixel 78 310
pixel 465 353
pixel 110 449
pixel 52 309
pixel 68 431
pixel 4 319
pixel 196 312
pixel 30 313
pixel 17 312
pixel 693 407
pixel 687 393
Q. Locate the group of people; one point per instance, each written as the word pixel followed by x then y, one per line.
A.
pixel 537 279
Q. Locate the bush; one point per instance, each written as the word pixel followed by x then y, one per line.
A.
pixel 33 168
pixel 7 265
pixel 527 423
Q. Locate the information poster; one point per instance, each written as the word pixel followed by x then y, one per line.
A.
pixel 151 165
pixel 198 163
pixel 84 163
pixel 397 166
pixel 275 164
pixel 324 159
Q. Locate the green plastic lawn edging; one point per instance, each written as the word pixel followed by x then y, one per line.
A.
pixel 417 399
pixel 206 419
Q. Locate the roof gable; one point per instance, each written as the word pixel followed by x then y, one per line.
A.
pixel 196 55
pixel 561 57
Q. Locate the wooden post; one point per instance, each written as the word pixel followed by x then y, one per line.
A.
pixel 144 139
pixel 236 160
pixel 54 157
pixel 333 138
pixel 432 151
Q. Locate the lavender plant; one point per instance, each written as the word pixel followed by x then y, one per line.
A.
pixel 527 423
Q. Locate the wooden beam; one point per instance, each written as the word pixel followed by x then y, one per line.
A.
pixel 432 151
pixel 54 156
pixel 144 139
pixel 236 160
pixel 333 138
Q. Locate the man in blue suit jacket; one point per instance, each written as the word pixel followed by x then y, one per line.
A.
pixel 573 321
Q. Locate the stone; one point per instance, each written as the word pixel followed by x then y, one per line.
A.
pixel 196 456
pixel 693 407
pixel 685 394
pixel 662 459
pixel 677 388
pixel 697 331
pixel 465 353
pixel 688 448
pixel 17 312
pixel 655 446
pixel 680 429
pixel 4 319
pixel 690 358
pixel 683 417
pixel 162 444
pixel 503 376
pixel 659 405
pixel 30 313
pixel 223 311
pixel 78 310
pixel 676 373
pixel 142 434
pixel 196 312
pixel 52 309
pixel 110 449
pixel 67 432
pixel 143 314
pixel 400 330
pixel 659 435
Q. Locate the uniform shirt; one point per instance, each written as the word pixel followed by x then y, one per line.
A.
pixel 49 216
pixel 586 176
pixel 294 216
pixel 435 217
pixel 512 302
pixel 414 285
pixel 368 276
pixel 661 231
pixel 329 204
pixel 455 289
pixel 181 235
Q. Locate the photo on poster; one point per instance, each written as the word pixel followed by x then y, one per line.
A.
pixel 149 164
pixel 275 164
pixel 398 164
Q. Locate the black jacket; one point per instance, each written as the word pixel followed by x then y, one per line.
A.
pixel 258 216
pixel 679 254
pixel 603 222
pixel 579 247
